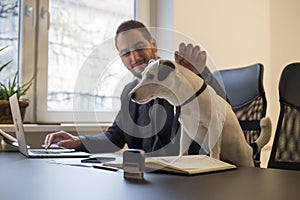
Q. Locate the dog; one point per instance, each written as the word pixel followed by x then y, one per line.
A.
pixel 205 117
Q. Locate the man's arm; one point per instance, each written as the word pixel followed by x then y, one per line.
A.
pixel 213 82
pixel 114 138
pixel 110 141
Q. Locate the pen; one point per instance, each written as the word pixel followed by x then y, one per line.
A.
pixel 114 169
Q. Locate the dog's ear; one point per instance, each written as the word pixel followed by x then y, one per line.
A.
pixel 164 69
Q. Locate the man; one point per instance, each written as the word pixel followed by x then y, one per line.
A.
pixel 154 130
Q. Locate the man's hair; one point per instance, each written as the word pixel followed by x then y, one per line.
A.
pixel 133 24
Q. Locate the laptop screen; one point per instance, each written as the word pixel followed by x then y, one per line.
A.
pixel 18 123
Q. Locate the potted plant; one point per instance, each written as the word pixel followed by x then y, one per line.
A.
pixel 9 88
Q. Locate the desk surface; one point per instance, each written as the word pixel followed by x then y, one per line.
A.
pixel 36 179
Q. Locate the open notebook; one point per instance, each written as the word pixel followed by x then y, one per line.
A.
pixel 188 165
pixel 193 164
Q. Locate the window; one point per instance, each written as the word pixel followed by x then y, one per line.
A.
pixel 9 23
pixel 59 42
pixel 79 76
pixel 77 28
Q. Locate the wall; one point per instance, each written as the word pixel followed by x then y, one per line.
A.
pixel 234 32
pixel 239 32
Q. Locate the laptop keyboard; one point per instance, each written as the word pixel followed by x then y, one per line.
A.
pixel 51 151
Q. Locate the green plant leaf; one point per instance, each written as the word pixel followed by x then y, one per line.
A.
pixel 3 48
pixel 4 65
pixel 12 87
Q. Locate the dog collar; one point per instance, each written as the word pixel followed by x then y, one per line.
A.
pixel 203 87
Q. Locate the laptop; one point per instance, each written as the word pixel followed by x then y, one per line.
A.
pixel 37 153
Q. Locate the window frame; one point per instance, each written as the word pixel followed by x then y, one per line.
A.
pixel 33 61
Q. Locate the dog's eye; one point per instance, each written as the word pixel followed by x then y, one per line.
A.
pixel 150 61
pixel 150 76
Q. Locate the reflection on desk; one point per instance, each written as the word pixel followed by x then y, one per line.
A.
pixel 37 179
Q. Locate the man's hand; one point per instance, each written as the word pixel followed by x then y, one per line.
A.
pixel 191 57
pixel 62 139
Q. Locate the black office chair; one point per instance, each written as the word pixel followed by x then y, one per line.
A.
pixel 285 153
pixel 245 91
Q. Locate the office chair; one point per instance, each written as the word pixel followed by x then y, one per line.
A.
pixel 285 153
pixel 245 92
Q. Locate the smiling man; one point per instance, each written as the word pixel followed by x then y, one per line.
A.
pixel 135 48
